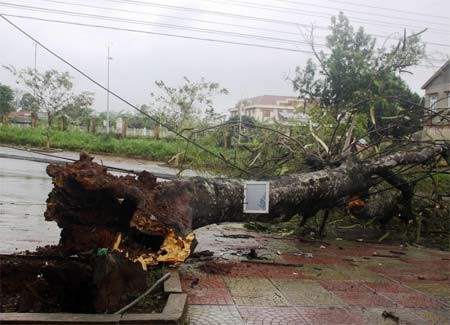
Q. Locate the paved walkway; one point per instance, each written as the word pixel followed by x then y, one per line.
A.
pixel 337 282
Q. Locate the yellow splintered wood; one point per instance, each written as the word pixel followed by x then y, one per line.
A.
pixel 174 250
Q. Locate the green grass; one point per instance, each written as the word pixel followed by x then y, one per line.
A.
pixel 156 150
pixel 76 140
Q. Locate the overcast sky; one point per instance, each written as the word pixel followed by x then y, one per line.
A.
pixel 139 59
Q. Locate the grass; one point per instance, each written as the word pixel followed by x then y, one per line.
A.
pixel 160 150
pixel 151 149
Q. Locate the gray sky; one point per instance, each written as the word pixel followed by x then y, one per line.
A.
pixel 139 59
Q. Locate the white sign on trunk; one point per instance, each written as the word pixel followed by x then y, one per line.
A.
pixel 256 197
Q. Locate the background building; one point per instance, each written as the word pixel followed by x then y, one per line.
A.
pixel 269 108
pixel 437 99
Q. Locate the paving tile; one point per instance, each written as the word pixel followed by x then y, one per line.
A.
pixel 281 272
pixel 411 299
pixel 271 315
pixel 421 254
pixel 330 316
pixel 392 287
pixel 434 289
pixel 359 273
pixel 345 285
pixel 214 315
pixel 246 270
pixel 388 266
pixel 438 291
pixel 261 270
pixel 324 272
pixel 336 286
pixel 418 276
pixel 318 258
pixel 374 316
pixel 209 289
pixel 364 299
pixel 434 316
pixel 306 293
pixel 255 292
pixel 281 245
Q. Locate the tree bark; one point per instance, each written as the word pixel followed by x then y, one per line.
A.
pixel 92 205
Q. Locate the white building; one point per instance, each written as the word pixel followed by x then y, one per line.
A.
pixel 437 100
pixel 268 108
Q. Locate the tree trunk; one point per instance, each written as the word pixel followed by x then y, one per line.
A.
pixel 93 206
pixel 49 126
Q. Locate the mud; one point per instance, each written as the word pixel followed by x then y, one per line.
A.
pixel 83 284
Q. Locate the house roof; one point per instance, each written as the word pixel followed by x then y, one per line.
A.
pixel 265 100
pixel 435 75
pixel 19 114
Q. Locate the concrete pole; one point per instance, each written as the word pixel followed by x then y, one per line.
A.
pixel 240 122
pixel 35 56
pixel 109 58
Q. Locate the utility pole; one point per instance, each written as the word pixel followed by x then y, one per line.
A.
pixel 241 105
pixel 35 56
pixel 109 58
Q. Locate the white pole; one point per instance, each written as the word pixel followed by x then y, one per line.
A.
pixel 240 123
pixel 107 95
pixel 35 56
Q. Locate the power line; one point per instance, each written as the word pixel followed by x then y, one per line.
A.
pixel 63 160
pixel 239 16
pixel 253 6
pixel 174 17
pixel 388 9
pixel 288 9
pixel 211 22
pixel 164 25
pixel 363 12
pixel 168 127
pixel 171 35
pixel 158 33
pixel 170 26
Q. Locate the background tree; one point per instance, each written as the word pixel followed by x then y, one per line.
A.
pixel 29 103
pixel 52 90
pixel 183 105
pixel 358 77
pixel 79 109
pixel 6 100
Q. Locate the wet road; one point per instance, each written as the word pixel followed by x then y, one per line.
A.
pixel 24 186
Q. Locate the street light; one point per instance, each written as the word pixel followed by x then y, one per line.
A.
pixel 109 58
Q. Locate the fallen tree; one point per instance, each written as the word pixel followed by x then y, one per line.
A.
pixel 151 222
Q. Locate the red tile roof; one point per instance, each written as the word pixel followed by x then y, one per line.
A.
pixel 266 100
pixel 19 114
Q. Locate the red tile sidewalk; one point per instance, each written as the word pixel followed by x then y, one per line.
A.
pixel 331 285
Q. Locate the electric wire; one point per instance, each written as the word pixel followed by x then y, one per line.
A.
pixel 430 66
pixel 359 4
pixel 315 13
pixel 188 19
pixel 365 12
pixel 163 34
pixel 213 22
pixel 142 22
pixel 220 13
pixel 122 99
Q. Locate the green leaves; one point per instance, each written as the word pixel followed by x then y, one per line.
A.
pixel 185 104
pixel 6 100
pixel 359 78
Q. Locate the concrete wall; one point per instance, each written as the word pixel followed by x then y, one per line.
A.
pixel 266 113
pixel 436 132
pixel 438 128
pixel 441 87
